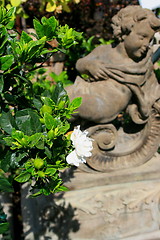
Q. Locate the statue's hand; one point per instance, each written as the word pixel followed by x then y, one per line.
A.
pixel 98 70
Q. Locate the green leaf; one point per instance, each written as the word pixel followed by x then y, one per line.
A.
pixel 5 185
pixel 25 38
pixel 4 39
pixel 48 101
pixel 48 153
pixel 64 129
pixel 28 122
pixel 4 227
pixel 75 103
pixel 10 25
pixel 36 194
pixel 51 6
pixel 18 135
pixel 37 103
pixel 34 139
pixel 16 158
pixel 49 121
pixel 40 144
pixel 59 92
pixel 7 122
pixel 11 12
pixel 39 28
pixel 46 191
pixel 45 51
pixel 5 161
pixel 8 140
pixel 62 189
pixel 50 171
pixel 44 20
pixel 49 26
pixel 15 3
pixel 1 83
pixel 23 177
pixel 6 62
pixel 34 47
pixel 53 23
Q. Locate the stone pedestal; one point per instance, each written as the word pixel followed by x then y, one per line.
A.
pixel 99 206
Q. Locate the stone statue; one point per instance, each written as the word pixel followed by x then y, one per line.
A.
pixel 120 94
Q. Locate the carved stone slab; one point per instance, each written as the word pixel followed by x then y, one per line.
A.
pixel 122 205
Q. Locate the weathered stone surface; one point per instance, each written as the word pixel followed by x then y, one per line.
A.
pixel 120 94
pixel 99 206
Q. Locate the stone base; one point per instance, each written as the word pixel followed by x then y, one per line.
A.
pixel 121 205
pixel 116 211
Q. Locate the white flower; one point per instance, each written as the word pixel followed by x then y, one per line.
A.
pixel 83 147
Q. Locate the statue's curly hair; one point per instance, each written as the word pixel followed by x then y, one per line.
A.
pixel 126 18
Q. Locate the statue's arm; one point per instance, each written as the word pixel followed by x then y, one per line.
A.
pixel 82 65
pixel 93 65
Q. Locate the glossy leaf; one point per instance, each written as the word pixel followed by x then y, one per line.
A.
pixel 4 227
pixel 16 158
pixel 23 177
pixel 11 11
pixel 50 171
pixel 39 28
pixel 6 62
pixel 28 121
pixel 75 103
pixel 48 153
pixel 5 185
pixel 1 83
pixel 53 23
pixel 34 139
pixel 5 160
pixel 59 92
pixel 7 122
pixel 25 38
pixel 49 121
pixel 63 129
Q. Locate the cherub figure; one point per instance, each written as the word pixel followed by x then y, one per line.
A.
pixel 121 75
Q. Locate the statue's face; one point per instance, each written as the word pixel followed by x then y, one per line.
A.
pixel 137 42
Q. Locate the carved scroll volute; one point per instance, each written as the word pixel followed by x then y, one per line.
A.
pixel 104 136
pixel 116 149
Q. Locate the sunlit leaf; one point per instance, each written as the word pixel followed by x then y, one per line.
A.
pixel 15 3
pixel 75 103
pixel 39 28
pixel 51 7
pixel 6 62
pixel 49 121
pixel 23 177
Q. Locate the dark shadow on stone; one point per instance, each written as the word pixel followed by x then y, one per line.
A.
pixel 61 222
pixel 47 215
pixel 68 174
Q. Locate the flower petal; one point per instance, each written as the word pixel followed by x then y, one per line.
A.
pixel 83 147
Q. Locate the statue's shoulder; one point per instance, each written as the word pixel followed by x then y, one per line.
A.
pixel 104 47
pixel 103 50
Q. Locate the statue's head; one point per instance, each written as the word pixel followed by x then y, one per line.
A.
pixel 135 27
pixel 124 21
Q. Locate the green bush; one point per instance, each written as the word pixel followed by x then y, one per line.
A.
pixel 33 117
